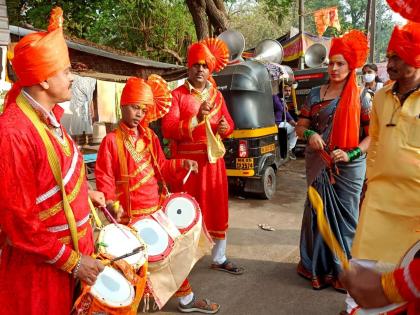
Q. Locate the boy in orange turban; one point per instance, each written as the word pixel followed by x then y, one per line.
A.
pixel 390 214
pixel 131 167
pixel 44 212
pixel 197 107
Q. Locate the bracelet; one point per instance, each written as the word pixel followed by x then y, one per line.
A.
pixel 308 133
pixel 354 154
pixel 77 267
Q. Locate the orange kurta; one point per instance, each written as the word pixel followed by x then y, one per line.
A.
pixel 38 253
pixel 209 187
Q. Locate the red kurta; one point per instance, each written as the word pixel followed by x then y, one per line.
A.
pixel 143 178
pixel 38 253
pixel 209 187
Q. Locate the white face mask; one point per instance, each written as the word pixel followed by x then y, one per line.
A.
pixel 369 77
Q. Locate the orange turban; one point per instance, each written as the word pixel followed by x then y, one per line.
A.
pixel 41 55
pixel 345 131
pixel 212 51
pixel 408 9
pixel 353 46
pixel 154 93
pixel 405 43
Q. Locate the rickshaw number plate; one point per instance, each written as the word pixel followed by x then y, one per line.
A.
pixel 268 148
pixel 244 163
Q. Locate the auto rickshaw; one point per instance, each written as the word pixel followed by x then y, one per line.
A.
pixel 253 151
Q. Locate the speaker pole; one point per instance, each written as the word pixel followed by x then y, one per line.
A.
pixel 301 30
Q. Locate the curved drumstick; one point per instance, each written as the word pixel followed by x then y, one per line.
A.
pixel 325 229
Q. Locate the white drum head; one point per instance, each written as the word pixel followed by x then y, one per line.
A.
pixel 153 235
pixel 181 211
pixel 112 288
pixel 119 243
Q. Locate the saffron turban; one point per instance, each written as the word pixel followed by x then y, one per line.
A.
pixel 405 43
pixel 41 55
pixel 408 9
pixel 345 131
pixel 153 93
pixel 212 51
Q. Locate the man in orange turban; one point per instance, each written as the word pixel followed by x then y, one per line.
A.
pixel 198 113
pixel 133 147
pixel 44 212
pixel 390 214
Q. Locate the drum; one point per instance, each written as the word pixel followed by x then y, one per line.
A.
pixel 394 309
pixel 117 291
pixel 183 210
pixel 119 240
pixel 158 242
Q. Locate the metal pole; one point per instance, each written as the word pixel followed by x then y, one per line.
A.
pixel 301 29
pixel 372 32
pixel 368 10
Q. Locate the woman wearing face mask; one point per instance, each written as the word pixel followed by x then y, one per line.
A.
pixel 370 77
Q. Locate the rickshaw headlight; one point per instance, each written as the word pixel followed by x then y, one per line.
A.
pixel 243 149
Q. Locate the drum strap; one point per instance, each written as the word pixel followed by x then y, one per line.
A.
pixel 95 215
pixel 122 159
pixel 54 164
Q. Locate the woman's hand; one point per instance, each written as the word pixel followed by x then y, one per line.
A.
pixel 339 156
pixel 316 142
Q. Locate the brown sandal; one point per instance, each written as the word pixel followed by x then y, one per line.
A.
pixel 201 306
pixel 229 267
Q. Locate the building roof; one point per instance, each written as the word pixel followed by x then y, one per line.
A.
pixel 87 47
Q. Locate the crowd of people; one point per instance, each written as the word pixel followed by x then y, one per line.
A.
pixel 353 133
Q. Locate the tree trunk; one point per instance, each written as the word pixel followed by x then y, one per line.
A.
pixel 206 13
pixel 198 12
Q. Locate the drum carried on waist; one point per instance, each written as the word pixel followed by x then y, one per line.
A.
pixel 183 210
pixel 117 291
pixel 117 240
pixel 393 309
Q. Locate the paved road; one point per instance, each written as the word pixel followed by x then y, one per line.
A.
pixel 270 285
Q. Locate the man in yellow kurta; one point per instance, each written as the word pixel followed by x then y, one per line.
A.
pixel 389 223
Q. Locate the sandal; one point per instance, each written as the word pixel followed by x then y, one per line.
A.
pixel 229 267
pixel 200 306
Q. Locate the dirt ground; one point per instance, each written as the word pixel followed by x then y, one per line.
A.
pixel 270 284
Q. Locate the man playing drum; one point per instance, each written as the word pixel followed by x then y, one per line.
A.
pixel 197 114
pixel 131 165
pixel 44 211
pixel 390 216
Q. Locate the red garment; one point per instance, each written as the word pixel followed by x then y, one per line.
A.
pixel 38 255
pixel 143 175
pixel 209 187
pixel 407 281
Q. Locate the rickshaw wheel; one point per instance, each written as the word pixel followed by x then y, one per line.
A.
pixel 268 182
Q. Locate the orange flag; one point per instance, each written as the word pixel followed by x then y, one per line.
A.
pixel 326 17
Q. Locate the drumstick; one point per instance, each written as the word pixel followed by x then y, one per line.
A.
pixel 133 252
pixel 187 176
pixel 325 229
pixel 111 218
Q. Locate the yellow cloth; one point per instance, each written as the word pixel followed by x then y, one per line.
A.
pixel 390 217
pixel 106 101
pixel 118 91
pixel 215 146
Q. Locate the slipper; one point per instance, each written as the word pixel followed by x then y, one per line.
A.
pixel 229 267
pixel 207 307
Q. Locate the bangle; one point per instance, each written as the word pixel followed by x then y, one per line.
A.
pixel 77 267
pixel 354 154
pixel 308 133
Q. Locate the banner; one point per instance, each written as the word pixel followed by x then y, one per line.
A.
pixel 326 17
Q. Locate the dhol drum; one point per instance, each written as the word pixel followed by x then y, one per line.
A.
pixel 183 210
pixel 117 240
pixel 159 243
pixel 117 291
pixel 393 309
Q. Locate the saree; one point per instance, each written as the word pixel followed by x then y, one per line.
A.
pixel 340 188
